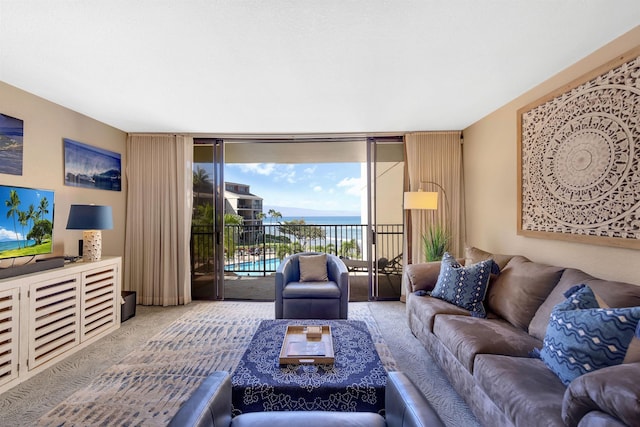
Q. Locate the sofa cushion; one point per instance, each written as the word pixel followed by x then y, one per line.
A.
pixel 427 308
pixel 614 294
pixel 583 337
pixel 473 255
pixel 464 286
pixel 524 388
pixel 313 268
pixel 521 289
pixel 466 337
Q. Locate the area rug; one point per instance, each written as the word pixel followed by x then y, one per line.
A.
pixel 149 385
pixel 354 382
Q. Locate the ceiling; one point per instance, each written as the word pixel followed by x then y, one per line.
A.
pixel 296 66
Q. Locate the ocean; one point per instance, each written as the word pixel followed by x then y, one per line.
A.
pixel 15 244
pixel 319 220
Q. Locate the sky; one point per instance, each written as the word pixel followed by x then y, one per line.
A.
pixel 335 188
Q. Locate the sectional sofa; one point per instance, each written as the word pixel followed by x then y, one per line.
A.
pixel 497 363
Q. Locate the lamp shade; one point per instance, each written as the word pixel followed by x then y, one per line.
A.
pixel 90 217
pixel 420 200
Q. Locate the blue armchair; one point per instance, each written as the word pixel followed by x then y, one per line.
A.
pixel 296 299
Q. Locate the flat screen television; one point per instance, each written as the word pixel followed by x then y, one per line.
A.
pixel 26 221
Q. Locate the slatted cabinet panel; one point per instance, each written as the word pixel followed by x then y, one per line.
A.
pixel 99 301
pixel 49 315
pixel 54 318
pixel 9 334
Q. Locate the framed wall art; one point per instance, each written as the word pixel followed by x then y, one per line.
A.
pixel 11 145
pixel 579 159
pixel 91 167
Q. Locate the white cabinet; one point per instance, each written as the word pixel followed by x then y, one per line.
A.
pixel 47 316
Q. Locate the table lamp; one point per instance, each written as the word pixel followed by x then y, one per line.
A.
pixel 91 219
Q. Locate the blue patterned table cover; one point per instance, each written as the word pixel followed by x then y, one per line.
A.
pixel 355 382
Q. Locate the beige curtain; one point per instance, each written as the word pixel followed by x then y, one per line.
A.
pixel 158 227
pixel 435 157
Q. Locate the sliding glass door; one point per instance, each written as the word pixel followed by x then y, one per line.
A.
pixel 385 174
pixel 207 238
pixel 368 170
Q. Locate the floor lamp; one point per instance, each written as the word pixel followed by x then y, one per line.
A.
pixel 422 200
pixel 92 219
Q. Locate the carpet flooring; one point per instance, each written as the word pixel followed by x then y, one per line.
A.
pixel 26 403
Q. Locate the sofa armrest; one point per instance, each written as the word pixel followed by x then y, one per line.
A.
pixel 421 277
pixel 613 390
pixel 208 406
pixel 406 406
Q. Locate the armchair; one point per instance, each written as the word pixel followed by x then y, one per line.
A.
pixel 210 406
pixel 297 299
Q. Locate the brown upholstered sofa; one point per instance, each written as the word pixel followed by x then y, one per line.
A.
pixel 488 359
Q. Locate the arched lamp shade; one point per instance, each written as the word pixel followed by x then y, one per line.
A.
pixel 421 200
pixel 91 219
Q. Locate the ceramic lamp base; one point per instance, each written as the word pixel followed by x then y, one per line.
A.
pixel 92 245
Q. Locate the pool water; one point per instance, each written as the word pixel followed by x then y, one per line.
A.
pixel 255 267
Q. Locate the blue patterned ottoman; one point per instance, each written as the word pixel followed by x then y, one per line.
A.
pixel 354 383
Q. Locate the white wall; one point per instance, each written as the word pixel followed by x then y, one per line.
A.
pixel 490 169
pixel 45 125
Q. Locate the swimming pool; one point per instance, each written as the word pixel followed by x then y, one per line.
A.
pixel 253 268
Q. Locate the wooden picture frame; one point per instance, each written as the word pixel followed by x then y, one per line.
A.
pixel 579 159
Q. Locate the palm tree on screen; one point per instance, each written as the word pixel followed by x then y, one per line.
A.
pixel 13 204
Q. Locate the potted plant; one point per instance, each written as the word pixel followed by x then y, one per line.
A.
pixel 435 242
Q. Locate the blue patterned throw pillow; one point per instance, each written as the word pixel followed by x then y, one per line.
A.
pixel 465 287
pixel 583 337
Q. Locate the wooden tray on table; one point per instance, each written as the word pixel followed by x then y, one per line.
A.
pixel 307 345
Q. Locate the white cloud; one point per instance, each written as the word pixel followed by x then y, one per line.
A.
pixel 310 171
pixel 258 168
pixel 286 173
pixel 317 188
pixel 9 235
pixel 353 186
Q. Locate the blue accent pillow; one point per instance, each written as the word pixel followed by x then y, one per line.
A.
pixel 465 287
pixel 583 337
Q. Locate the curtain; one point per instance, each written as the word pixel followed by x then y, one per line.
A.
pixel 158 224
pixel 434 160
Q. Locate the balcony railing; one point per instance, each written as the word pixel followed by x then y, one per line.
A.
pixel 258 249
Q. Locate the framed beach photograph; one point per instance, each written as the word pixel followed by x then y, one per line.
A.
pixel 11 145
pixel 87 166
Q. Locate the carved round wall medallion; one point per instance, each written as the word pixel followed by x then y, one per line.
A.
pixel 581 159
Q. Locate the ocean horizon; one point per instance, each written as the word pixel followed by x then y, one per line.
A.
pixel 317 220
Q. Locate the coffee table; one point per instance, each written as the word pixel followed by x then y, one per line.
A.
pixel 355 382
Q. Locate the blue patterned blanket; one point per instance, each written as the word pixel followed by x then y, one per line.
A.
pixel 354 383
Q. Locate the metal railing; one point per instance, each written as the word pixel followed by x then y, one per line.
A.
pixel 258 249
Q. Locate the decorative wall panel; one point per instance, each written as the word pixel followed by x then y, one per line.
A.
pixel 579 159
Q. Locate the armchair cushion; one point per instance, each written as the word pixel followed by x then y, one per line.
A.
pixel 313 268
